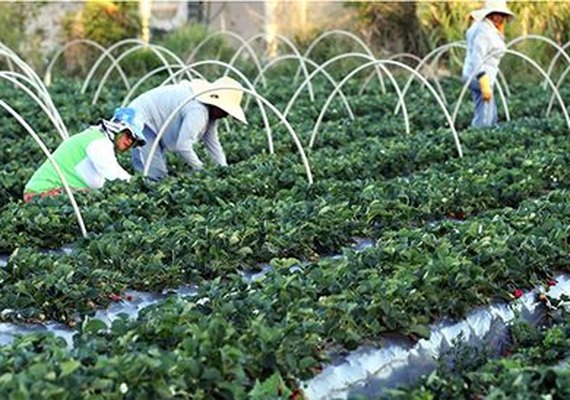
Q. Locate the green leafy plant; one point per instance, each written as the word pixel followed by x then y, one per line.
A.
pixel 102 21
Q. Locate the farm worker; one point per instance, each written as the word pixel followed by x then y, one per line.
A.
pixel 485 48
pixel 87 160
pixel 196 121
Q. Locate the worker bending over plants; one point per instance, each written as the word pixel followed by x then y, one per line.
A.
pixel 87 160
pixel 485 48
pixel 196 121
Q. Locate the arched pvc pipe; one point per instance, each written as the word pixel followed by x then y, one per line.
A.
pixel 235 36
pixel 156 49
pixel 151 74
pixel 289 43
pixel 43 99
pixel 502 83
pixel 9 77
pixel 553 62
pixel 247 83
pixel 251 92
pixel 33 79
pixel 407 68
pixel 558 84
pixel 501 80
pixel 314 64
pixel 418 60
pixel 123 55
pixel 326 64
pixel 53 163
pixel 28 71
pixel 502 96
pixel 405 55
pixel 38 90
pixel 531 62
pixel 24 67
pixel 9 63
pixel 544 39
pixel 424 61
pixel 503 102
pixel 437 52
pixel 350 35
pixel 47 75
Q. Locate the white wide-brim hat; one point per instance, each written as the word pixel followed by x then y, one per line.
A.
pixel 225 93
pixel 492 6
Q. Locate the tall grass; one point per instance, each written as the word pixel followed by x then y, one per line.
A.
pixel 421 26
pixel 446 22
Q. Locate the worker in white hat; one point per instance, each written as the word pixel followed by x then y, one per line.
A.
pixel 485 48
pixel 196 121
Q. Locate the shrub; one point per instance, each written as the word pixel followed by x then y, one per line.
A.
pixel 102 21
pixel 391 26
pixel 14 19
pixel 418 27
pixel 184 40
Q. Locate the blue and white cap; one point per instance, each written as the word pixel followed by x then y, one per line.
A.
pixel 128 117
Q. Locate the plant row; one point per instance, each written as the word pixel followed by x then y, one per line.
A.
pixel 533 365
pixel 209 241
pixel 234 338
pixel 264 176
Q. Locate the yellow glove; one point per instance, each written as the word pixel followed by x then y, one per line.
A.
pixel 485 85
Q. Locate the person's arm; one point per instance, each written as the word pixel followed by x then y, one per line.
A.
pixel 102 154
pixel 479 50
pixel 214 146
pixel 195 121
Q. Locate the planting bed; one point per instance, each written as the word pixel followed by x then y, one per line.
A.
pixel 447 235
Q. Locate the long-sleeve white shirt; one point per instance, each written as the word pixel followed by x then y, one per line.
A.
pixel 483 39
pixel 189 126
pixel 101 164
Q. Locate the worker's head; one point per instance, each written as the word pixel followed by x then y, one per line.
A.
pixel 223 97
pixel 124 140
pixel 129 130
pixel 216 112
pixel 494 10
pixel 498 18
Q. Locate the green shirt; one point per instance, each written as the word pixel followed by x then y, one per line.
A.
pixel 68 155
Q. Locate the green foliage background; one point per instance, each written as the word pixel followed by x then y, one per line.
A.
pixel 104 22
pixel 390 27
pixel 418 27
pixel 14 17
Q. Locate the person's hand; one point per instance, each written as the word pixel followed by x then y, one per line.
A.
pixel 485 85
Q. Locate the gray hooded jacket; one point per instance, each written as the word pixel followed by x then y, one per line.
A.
pixel 189 126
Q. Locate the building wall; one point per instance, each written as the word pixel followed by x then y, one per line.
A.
pixel 246 18
pixel 297 18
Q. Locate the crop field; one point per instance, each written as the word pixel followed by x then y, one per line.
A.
pixel 447 234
